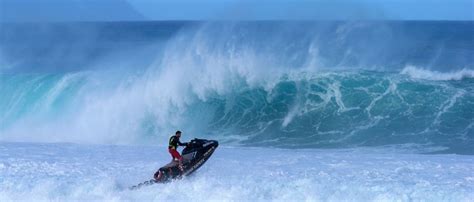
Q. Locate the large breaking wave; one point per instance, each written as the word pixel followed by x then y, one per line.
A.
pixel 285 84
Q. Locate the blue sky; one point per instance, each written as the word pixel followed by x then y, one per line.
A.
pixel 112 10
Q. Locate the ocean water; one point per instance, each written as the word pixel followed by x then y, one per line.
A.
pixel 63 172
pixel 315 111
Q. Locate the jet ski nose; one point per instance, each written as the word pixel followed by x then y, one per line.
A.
pixel 214 143
pixel 211 143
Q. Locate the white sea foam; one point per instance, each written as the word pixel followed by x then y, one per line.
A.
pixel 420 73
pixel 80 172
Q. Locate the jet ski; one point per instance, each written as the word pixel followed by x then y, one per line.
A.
pixel 195 154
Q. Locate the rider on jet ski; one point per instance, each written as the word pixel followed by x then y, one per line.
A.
pixel 173 145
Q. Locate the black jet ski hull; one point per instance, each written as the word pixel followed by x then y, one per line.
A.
pixel 199 162
pixel 194 156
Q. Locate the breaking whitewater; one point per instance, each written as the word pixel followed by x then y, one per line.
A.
pixel 314 111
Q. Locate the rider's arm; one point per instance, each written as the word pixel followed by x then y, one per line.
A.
pixel 182 144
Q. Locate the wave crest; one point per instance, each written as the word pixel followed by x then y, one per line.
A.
pixel 420 73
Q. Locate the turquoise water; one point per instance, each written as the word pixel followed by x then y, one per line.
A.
pixel 305 110
pixel 407 85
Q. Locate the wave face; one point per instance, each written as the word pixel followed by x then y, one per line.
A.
pixel 270 84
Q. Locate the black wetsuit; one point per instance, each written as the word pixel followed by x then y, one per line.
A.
pixel 174 142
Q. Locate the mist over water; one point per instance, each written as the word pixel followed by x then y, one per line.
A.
pixel 271 84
